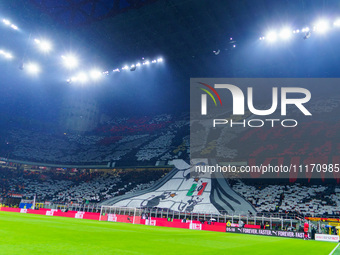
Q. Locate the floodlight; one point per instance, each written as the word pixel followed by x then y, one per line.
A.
pixel 8 55
pixel 306 29
pixel 322 26
pixel 14 27
pixel 82 77
pixel 44 45
pixel 95 74
pixel 6 22
pixel 154 61
pixel 147 62
pixel 159 60
pixel 73 79
pixel 271 36
pixel 285 34
pixel 337 23
pixel 138 64
pixel 70 61
pixel 32 68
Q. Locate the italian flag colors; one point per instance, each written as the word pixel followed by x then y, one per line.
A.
pixel 199 189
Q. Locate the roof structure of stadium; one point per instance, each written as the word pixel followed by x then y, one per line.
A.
pixel 184 31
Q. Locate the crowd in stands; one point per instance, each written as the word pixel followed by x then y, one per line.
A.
pixel 121 139
pixel 155 148
pixel 293 198
pixel 78 187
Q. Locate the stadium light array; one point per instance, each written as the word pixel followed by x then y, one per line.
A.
pixel 6 22
pixel 321 26
pixel 271 36
pixel 32 68
pixel 96 75
pixel 9 24
pixel 70 61
pixel 82 77
pixel 44 45
pixel 336 23
pixel 6 54
pixel 286 33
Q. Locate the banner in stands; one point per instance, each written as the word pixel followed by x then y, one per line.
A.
pixel 266 232
pixel 15 195
pixel 327 238
pixel 322 219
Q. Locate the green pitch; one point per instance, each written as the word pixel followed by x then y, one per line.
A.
pixel 34 234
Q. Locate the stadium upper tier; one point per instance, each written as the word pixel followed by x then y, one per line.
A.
pixel 148 140
pixel 144 140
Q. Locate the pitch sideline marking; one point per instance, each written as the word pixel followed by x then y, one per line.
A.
pixel 334 249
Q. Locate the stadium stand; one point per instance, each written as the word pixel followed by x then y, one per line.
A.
pixel 294 198
pixel 147 139
pixel 156 188
pixel 61 187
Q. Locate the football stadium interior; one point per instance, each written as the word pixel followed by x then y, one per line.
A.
pixel 103 150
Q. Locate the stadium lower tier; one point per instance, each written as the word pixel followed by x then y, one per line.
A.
pixel 175 191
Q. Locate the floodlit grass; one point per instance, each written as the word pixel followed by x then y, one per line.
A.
pixel 35 234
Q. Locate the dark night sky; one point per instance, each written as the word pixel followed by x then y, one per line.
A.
pixel 164 88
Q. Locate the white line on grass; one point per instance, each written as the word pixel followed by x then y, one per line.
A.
pixel 334 249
